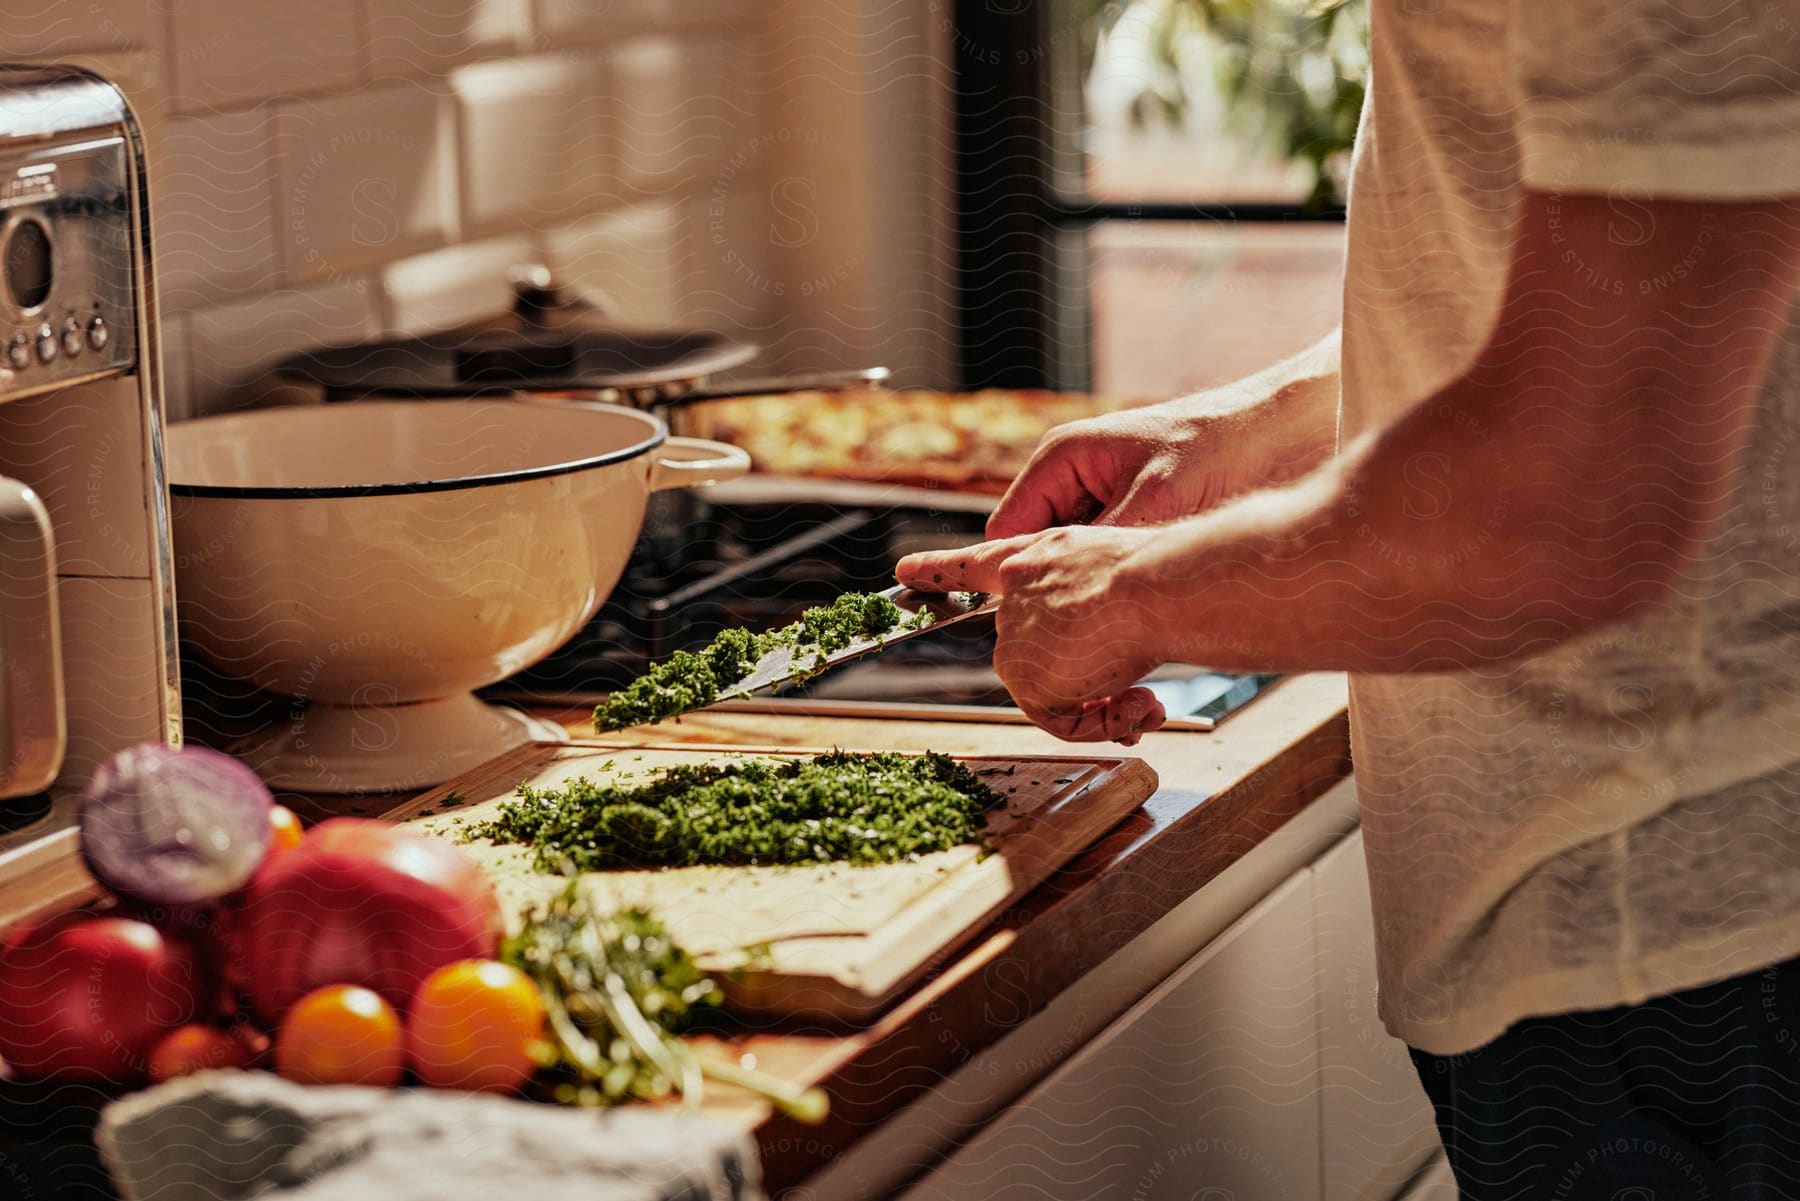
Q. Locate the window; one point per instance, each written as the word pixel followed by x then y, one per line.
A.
pixel 1125 225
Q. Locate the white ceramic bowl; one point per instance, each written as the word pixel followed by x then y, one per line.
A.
pixel 381 560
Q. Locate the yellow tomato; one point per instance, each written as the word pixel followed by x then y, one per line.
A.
pixel 473 1024
pixel 288 833
pixel 197 1048
pixel 340 1034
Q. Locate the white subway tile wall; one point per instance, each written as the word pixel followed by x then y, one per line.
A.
pixel 655 83
pixel 330 170
pixel 229 53
pixel 560 19
pixel 630 259
pixel 588 18
pixel 535 126
pixel 46 27
pixel 365 178
pixel 734 280
pixel 227 351
pixel 214 223
pixel 406 37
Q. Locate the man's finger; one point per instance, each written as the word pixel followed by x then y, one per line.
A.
pixel 970 569
pixel 1150 501
pixel 1126 510
pixel 1123 719
pixel 1081 724
pixel 1049 492
pixel 1132 715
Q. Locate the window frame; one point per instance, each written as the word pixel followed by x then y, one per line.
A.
pixel 1024 317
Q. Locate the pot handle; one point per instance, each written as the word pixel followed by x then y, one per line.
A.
pixel 33 731
pixel 693 462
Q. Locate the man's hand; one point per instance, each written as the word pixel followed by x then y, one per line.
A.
pixel 1073 639
pixel 1172 460
pixel 1564 481
pixel 1135 467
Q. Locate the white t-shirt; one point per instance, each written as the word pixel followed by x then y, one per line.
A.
pixel 1620 817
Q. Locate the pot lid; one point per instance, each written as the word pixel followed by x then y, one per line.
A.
pixel 552 339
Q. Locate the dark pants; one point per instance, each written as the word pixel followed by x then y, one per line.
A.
pixel 1690 1097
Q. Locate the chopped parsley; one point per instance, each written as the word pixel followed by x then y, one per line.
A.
pixel 832 808
pixel 690 680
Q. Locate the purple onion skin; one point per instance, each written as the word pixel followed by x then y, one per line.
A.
pixel 174 829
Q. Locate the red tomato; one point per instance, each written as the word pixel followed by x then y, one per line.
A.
pixel 288 832
pixel 87 997
pixel 196 1048
pixel 362 902
pixel 474 1025
pixel 340 1034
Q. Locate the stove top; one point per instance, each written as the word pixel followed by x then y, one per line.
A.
pixel 758 565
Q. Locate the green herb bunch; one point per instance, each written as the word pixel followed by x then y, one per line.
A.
pixel 690 680
pixel 837 807
pixel 617 993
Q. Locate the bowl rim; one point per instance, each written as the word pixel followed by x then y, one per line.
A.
pixel 658 434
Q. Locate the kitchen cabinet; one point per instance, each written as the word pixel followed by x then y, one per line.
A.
pixel 1257 1071
pixel 1205 1089
pixel 1375 1122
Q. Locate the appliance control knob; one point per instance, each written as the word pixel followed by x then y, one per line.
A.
pixel 18 351
pixel 72 342
pixel 46 343
pixel 99 333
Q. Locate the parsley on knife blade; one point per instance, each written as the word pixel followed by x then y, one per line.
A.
pixel 690 680
pixel 834 808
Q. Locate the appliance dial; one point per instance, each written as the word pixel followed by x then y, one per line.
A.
pixel 72 342
pixel 46 343
pixel 18 351
pixel 27 264
pixel 99 333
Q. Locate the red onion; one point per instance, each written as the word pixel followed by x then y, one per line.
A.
pixel 174 827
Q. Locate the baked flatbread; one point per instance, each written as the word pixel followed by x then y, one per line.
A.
pixel 962 441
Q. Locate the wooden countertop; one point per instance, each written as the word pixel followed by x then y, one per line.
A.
pixel 1221 794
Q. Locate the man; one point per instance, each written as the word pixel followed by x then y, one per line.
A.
pixel 1546 511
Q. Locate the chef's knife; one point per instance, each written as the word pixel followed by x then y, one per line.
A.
pixel 782 666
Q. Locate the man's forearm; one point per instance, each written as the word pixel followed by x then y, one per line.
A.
pixel 1284 416
pixel 1466 533
pixel 1563 481
pixel 1331 574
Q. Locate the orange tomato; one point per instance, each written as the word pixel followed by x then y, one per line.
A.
pixel 340 1034
pixel 196 1048
pixel 288 833
pixel 474 1025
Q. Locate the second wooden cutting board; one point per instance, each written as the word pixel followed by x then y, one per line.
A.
pixel 842 941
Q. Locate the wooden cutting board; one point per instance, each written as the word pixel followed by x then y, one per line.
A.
pixel 842 941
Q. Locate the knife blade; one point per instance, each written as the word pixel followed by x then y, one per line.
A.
pixel 783 666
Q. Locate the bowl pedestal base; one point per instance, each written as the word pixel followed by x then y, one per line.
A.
pixel 389 748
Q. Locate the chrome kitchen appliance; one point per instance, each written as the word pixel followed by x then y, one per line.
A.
pixel 87 638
